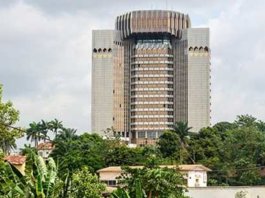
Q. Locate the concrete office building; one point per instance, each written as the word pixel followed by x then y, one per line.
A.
pixel 157 73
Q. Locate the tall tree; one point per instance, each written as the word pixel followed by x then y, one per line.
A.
pixel 245 120
pixel 169 145
pixel 8 118
pixel 183 131
pixel 36 132
pixel 55 125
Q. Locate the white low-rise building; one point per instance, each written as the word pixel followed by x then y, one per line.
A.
pixel 45 149
pixel 195 174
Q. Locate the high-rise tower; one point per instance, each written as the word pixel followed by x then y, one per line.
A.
pixel 161 74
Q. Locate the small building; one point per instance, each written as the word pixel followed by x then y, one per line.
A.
pixel 45 149
pixel 195 174
pixel 18 161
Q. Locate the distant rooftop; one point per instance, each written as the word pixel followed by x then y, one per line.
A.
pixel 45 146
pixel 184 167
pixel 15 159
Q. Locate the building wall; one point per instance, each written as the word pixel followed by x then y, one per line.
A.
pixel 118 88
pixel 197 179
pixel 180 81
pixel 44 153
pixel 227 192
pixel 102 80
pixel 106 176
pixel 190 176
pixel 196 58
pixel 21 168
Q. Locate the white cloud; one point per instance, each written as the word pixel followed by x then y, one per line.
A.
pixel 237 61
pixel 45 64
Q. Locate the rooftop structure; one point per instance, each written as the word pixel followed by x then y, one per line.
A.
pixel 18 161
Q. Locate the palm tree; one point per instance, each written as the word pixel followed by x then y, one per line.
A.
pixel 183 130
pixel 33 133
pixel 55 125
pixel 37 132
pixel 67 134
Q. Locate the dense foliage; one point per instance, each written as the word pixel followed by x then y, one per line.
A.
pixel 8 117
pixel 153 182
pixel 40 178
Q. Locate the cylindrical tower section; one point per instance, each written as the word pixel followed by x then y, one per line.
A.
pixel 149 67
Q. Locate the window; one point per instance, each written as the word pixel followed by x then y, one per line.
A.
pixel 110 182
pixel 141 134
pixel 109 50
pixel 95 50
pixel 160 133
pixel 151 134
pixel 104 50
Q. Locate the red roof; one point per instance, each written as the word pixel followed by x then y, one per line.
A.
pixel 45 146
pixel 16 159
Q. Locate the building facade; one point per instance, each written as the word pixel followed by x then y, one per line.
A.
pixel 195 175
pixel 159 70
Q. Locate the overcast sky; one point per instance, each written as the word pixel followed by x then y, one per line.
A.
pixel 45 54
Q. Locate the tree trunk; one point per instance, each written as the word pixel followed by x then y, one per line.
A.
pixel 150 194
pixel 36 143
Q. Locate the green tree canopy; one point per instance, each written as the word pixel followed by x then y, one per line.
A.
pixel 8 118
pixel 155 182
pixel 86 185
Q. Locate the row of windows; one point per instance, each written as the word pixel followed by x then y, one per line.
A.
pixel 153 51
pixel 150 134
pixel 159 133
pixel 99 50
pixel 151 106
pixel 146 72
pixel 152 86
pixel 152 120
pixel 152 59
pixel 151 99
pixel 152 113
pixel 152 66
pixel 110 182
pixel 161 92
pixel 199 49
pixel 162 126
pixel 121 134
pixel 152 79
pixel 136 106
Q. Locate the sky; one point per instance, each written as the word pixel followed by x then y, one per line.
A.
pixel 45 54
